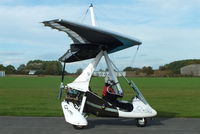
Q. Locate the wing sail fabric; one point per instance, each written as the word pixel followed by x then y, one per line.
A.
pixel 89 41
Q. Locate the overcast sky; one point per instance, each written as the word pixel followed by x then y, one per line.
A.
pixel 169 29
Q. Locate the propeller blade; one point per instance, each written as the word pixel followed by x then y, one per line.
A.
pixel 61 84
pixel 60 90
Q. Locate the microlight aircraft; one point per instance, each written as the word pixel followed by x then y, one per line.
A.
pixel 93 43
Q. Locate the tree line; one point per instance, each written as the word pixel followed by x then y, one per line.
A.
pixel 40 67
pixel 55 68
pixel 148 70
pixel 171 69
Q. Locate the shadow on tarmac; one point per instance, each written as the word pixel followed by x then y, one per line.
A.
pixel 156 121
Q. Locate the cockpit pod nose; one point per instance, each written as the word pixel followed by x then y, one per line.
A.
pixel 150 111
pixel 154 112
pixel 144 109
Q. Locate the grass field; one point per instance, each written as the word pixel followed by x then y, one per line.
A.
pixel 37 96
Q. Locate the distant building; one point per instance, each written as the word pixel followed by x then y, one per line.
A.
pixel 135 73
pixel 160 73
pixel 104 74
pixel 32 72
pixel 193 70
pixel 2 73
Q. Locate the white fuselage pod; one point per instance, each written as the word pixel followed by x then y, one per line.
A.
pixel 72 115
pixel 140 110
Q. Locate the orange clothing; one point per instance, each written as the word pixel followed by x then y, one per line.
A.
pixel 107 89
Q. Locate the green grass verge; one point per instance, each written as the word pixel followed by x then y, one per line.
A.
pixel 37 96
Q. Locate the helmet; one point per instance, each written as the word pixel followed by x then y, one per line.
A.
pixel 110 82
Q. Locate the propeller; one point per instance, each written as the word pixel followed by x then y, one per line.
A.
pixel 61 84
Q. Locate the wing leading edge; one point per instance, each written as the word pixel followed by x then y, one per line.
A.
pixel 89 41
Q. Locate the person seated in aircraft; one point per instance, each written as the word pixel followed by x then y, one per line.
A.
pixel 109 94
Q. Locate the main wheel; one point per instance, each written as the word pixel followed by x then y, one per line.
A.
pixel 141 122
pixel 78 127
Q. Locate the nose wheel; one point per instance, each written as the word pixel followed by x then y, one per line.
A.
pixel 141 122
pixel 78 127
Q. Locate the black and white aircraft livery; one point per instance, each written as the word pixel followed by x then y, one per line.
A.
pixel 79 101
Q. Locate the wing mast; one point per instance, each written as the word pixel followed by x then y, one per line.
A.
pixel 107 59
pixel 92 15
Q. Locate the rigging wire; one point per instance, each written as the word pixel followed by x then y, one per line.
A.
pixel 134 56
pixel 109 19
pixel 82 19
pixel 119 71
pixel 85 14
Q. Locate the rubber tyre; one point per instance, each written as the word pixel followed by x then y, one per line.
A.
pixel 141 122
pixel 78 127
